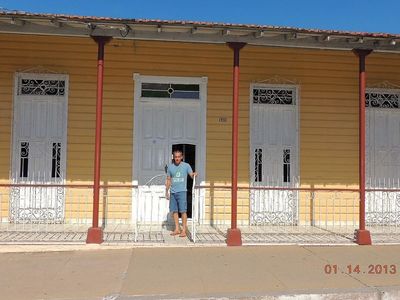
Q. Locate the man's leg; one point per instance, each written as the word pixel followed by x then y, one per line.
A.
pixel 184 223
pixel 182 203
pixel 176 220
pixel 173 208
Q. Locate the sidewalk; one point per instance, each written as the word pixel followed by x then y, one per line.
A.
pixel 264 272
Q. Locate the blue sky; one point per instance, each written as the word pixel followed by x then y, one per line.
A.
pixel 353 15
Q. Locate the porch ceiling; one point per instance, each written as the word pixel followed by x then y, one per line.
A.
pixel 189 31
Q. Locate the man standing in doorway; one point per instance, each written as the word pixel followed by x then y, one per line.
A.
pixel 176 181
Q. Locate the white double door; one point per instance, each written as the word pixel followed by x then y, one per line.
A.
pixel 273 164
pixel 383 165
pixel 39 150
pixel 163 123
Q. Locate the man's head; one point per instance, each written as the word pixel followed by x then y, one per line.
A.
pixel 178 156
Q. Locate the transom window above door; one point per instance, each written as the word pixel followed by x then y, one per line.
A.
pixel 274 95
pixel 170 90
pixel 389 98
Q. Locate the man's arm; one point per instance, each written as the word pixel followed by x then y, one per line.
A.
pixel 190 172
pixel 167 186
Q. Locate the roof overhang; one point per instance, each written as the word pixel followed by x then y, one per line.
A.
pixel 200 32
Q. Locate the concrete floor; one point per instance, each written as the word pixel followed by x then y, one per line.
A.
pixel 205 234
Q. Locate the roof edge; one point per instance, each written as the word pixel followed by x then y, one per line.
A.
pixel 66 17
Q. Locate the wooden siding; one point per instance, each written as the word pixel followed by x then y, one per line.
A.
pixel 328 82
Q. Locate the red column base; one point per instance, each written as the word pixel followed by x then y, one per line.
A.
pixel 362 237
pixel 234 237
pixel 95 235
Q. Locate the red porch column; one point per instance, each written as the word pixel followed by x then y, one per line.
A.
pixel 234 237
pixel 95 233
pixel 362 236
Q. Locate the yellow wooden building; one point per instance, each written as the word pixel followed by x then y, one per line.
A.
pixel 169 85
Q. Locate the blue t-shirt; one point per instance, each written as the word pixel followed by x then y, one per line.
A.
pixel 178 174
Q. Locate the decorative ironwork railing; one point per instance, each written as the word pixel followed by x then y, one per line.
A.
pixel 382 202
pixel 262 211
pixel 265 212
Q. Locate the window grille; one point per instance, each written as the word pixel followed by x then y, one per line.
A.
pixel 283 96
pixel 24 160
pixel 56 161
pixel 258 165
pixel 385 99
pixel 41 87
pixel 286 165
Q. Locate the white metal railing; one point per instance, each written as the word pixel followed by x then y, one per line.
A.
pixel 382 204
pixel 274 202
pixel 264 213
pixel 195 217
pixel 296 214
pixel 36 213
pixel 279 214
pixel 151 206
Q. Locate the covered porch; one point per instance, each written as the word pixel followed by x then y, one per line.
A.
pixel 235 202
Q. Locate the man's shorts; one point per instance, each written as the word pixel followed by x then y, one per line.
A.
pixel 177 202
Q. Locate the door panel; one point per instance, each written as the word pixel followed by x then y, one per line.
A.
pixel 191 123
pixel 40 113
pixel 147 157
pixel 23 112
pixel 147 119
pixel 154 144
pixel 160 121
pixel 177 122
